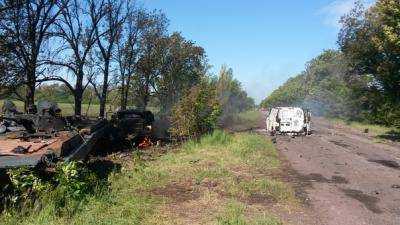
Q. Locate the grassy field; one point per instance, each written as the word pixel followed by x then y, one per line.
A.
pixel 87 110
pixel 244 121
pixel 380 132
pixel 68 108
pixel 221 179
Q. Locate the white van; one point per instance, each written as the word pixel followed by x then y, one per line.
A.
pixel 289 120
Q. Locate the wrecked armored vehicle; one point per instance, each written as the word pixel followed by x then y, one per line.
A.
pixel 44 136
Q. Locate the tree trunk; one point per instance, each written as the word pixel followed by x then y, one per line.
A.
pixel 146 98
pixel 78 93
pixel 123 102
pixel 30 89
pixel 125 94
pixel 103 97
pixel 78 102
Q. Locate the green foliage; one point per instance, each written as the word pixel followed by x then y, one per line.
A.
pixel 70 185
pixel 218 137
pixel 323 87
pixel 370 39
pixel 291 92
pixel 132 196
pixel 74 180
pixel 371 42
pixel 181 64
pixel 197 112
pixel 249 119
pixel 234 214
pixel 232 98
pixel 380 132
pixel 329 87
pixel 26 186
pixel 362 80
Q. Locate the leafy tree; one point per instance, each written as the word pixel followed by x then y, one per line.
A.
pixel 76 30
pixel 325 87
pixel 370 39
pixel 11 73
pixel 232 98
pixel 152 49
pixel 182 65
pixel 25 26
pixel 107 32
pixel 197 112
pixel 291 92
pixel 138 25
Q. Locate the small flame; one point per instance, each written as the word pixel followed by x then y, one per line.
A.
pixel 146 142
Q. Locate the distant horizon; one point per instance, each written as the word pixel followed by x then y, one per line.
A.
pixel 279 47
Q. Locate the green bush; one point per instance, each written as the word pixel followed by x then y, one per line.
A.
pixel 64 190
pixel 74 180
pixel 26 187
pixel 196 113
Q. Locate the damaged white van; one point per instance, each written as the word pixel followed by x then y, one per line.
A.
pixel 289 120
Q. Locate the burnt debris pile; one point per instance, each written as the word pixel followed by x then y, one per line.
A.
pixel 43 136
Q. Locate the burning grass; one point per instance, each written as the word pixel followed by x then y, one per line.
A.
pixel 220 179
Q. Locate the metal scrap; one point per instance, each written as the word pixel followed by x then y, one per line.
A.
pixel 45 137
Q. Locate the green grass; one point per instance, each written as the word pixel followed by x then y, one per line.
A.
pixel 379 131
pixel 68 108
pixel 244 121
pixel 91 110
pixel 234 214
pixel 209 180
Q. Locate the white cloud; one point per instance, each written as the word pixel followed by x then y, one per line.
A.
pixel 336 9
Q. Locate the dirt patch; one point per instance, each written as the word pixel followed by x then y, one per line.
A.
pixel 370 202
pixel 387 163
pixel 339 180
pixel 341 144
pixel 288 175
pixel 257 198
pixel 210 184
pixel 177 192
pixel 315 177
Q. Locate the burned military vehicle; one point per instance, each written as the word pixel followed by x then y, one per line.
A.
pixel 43 136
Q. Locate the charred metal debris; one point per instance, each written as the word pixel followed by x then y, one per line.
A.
pixel 43 136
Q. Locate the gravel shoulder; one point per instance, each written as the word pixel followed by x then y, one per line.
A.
pixel 345 176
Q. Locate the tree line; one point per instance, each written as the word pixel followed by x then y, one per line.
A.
pixel 109 51
pixel 360 80
pixel 98 45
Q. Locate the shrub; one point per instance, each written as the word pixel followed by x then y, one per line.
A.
pixel 27 186
pixel 71 183
pixel 74 180
pixel 196 113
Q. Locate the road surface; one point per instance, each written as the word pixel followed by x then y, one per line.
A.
pixel 345 176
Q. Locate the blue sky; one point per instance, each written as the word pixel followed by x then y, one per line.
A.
pixel 264 41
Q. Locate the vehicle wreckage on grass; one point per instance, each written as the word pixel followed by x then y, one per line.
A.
pixel 44 137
